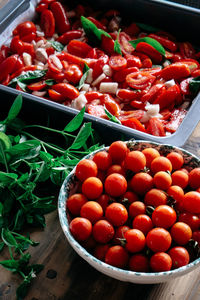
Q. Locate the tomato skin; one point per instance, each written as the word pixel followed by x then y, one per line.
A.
pixel 150 51
pixel 167 97
pixel 24 29
pixel 140 80
pixel 136 208
pixel 75 202
pixel 135 240
pixel 56 96
pixel 165 42
pixel 160 262
pixel 176 70
pixel 143 223
pixel 153 93
pixel 176 160
pixel 139 263
pixel 135 161
pixel 161 163
pixel 103 231
pixel 192 220
pixel 177 193
pixel 150 154
pixel 133 61
pixel 86 168
pixel 8 66
pixel 117 256
pixel 92 187
pixel 155 197
pixel 158 240
pixel 16 45
pixel 120 76
pixel 164 216
pixel 180 257
pixel 115 185
pixel 61 20
pixel 67 90
pixel 180 178
pixel 155 127
pixel 92 211
pixel 141 183
pixel 116 214
pixel 162 180
pixel 181 233
pixel 194 178
pixel 116 169
pixel 47 23
pixel 78 48
pixel 118 151
pixel 66 37
pixel 73 74
pixel 191 202
pixel 103 160
pixel 80 228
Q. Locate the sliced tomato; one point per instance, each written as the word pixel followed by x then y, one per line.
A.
pixel 187 50
pixel 37 86
pixel 56 96
pixel 165 42
pixel 78 48
pixel 140 80
pixel 52 67
pixel 184 86
pixel 42 6
pixel 166 114
pixel 8 66
pixel 97 111
pixel 150 51
pixel 47 23
pixel 195 73
pixel 111 105
pixel 134 124
pixel 67 90
pixel 24 28
pixel 153 93
pixel 154 70
pixel 176 70
pixel 72 59
pixel 117 62
pixel 120 76
pixel 73 74
pixel 16 45
pixel 176 119
pixel 107 44
pixel 155 127
pixel 191 63
pixel 99 64
pixel 66 37
pixel 126 47
pixel 167 97
pixel 138 104
pixel 133 61
pixel 136 114
pixel 125 94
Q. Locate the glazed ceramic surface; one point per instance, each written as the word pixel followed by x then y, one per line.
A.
pixel 69 187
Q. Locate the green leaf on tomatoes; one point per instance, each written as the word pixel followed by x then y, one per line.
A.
pixel 194 85
pixel 92 30
pixel 155 44
pixel 75 123
pixel 111 117
pixel 28 76
pixel 57 46
pixel 147 27
pixel 50 82
pixel 84 77
pixel 117 46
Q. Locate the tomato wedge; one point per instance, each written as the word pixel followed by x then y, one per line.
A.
pixel 150 51
pixel 37 86
pixel 134 124
pixel 155 127
pixel 176 70
pixel 140 80
pixel 117 62
pixel 47 22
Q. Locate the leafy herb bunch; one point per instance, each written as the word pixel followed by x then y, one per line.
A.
pixel 28 166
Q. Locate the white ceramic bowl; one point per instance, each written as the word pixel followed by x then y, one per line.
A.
pixel 69 187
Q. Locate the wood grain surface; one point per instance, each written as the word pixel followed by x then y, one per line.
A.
pixel 67 276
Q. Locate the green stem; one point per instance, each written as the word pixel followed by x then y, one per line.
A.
pixel 10 251
pixel 51 129
pixel 22 274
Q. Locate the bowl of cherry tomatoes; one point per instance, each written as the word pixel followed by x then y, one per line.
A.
pixel 132 211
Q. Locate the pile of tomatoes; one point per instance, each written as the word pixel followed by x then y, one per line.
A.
pixel 133 78
pixel 136 210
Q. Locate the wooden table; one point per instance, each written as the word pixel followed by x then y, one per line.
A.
pixel 73 278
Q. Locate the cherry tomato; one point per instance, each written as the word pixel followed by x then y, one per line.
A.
pixel 66 37
pixel 194 178
pixel 143 223
pixel 47 23
pixel 75 202
pixel 103 160
pixel 181 233
pixel 176 160
pixel 135 240
pixel 103 200
pixel 139 263
pixel 161 164
pixel 136 208
pixel 176 70
pixel 61 20
pixel 56 96
pixel 165 42
pixel 164 216
pixel 133 61
pixel 162 180
pixel 133 123
pixel 140 80
pixel 37 86
pixel 73 74
pixel 8 66
pixel 80 228
pixel 86 168
pixel 158 239
pixel 192 220
pixel 180 178
pixel 150 51
pixel 24 29
pixel 103 231
pixel 135 161
pixel 150 154
pixel 92 187
pixel 160 262
pixel 117 256
pixel 116 169
pixel 180 257
pixel 115 185
pixel 78 48
pixel 129 197
pixel 176 193
pixel 117 62
pixel 141 183
pixel 120 76
pixel 155 197
pixel 119 234
pixel 118 151
pixel 116 214
pixel 92 211
pixel 100 251
pixel 67 90
pixel 191 202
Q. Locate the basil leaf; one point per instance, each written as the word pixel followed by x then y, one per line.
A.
pixel 92 30
pixel 14 110
pixel 22 238
pixel 7 178
pixel 22 85
pixel 29 75
pixel 84 77
pixel 82 136
pixel 117 46
pixel 149 41
pixel 28 149
pixel 57 46
pixel 111 117
pixel 194 85
pixel 10 264
pixel 8 238
pixel 147 27
pixel 50 82
pixel 75 123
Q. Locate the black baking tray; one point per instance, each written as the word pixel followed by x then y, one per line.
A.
pixel 183 20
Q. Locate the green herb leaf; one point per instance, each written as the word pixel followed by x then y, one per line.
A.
pixel 149 41
pixel 28 76
pixel 111 117
pixel 75 123
pixel 82 136
pixel 194 85
pixel 8 238
pixel 147 27
pixel 22 85
pixel 10 264
pixel 14 110
pixel 7 178
pixel 50 82
pixel 57 46
pixel 91 29
pixel 117 46
pixel 28 149
pixel 84 77
pixel 1 246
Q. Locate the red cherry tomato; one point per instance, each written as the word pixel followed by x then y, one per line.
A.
pixel 164 216
pixel 80 228
pixel 116 214
pixel 139 263
pixel 92 211
pixel 117 62
pixel 180 257
pixel 103 231
pixel 92 187
pixel 143 223
pixel 61 20
pixel 86 168
pixel 161 262
pixel 115 185
pixel 158 240
pixel 135 240
pixel 117 256
pixel 181 233
pixel 47 23
pixel 75 202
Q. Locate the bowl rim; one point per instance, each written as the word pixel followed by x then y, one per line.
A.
pixel 92 259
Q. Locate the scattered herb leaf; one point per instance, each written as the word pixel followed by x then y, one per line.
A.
pixel 111 117
pixel 91 30
pixel 149 41
pixel 117 46
pixel 194 85
pixel 57 46
pixel 84 77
